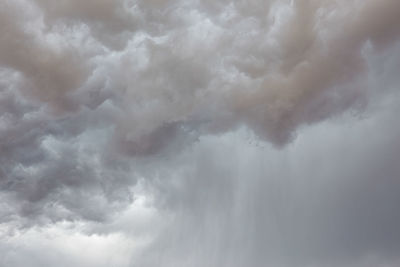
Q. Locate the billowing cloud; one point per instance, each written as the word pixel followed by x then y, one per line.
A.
pixel 100 98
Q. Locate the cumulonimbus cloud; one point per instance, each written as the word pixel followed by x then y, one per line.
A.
pixel 88 86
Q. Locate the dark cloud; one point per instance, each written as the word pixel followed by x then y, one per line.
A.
pixel 108 103
pixel 329 199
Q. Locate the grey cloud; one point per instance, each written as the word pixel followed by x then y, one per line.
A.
pixel 263 75
pixel 49 162
pixel 110 22
pixel 52 71
pixel 98 95
pixel 334 204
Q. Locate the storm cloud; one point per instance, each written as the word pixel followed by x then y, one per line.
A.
pixel 199 133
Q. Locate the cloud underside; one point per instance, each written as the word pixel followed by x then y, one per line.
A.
pixel 223 133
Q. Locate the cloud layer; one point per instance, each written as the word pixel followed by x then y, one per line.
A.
pixel 98 98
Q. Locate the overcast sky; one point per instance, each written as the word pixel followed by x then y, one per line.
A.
pixel 214 133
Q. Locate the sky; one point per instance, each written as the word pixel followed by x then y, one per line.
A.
pixel 172 133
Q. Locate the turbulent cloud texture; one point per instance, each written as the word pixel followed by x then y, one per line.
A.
pixel 200 133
